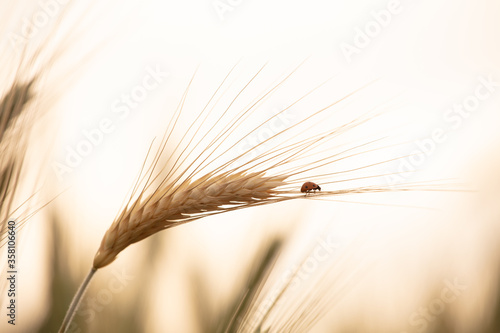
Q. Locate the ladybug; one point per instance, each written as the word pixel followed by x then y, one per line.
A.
pixel 309 186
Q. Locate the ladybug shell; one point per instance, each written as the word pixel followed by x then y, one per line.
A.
pixel 309 186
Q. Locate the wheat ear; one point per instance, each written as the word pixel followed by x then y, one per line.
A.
pixel 171 206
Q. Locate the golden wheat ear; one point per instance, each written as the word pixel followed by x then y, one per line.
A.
pixel 188 201
pixel 204 187
pixel 15 124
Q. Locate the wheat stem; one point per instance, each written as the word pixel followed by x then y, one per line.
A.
pixel 76 301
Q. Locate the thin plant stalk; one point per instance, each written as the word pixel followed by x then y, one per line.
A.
pixel 76 301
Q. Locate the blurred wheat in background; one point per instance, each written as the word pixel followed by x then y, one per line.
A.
pixel 122 119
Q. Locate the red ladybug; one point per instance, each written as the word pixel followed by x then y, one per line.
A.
pixel 309 186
